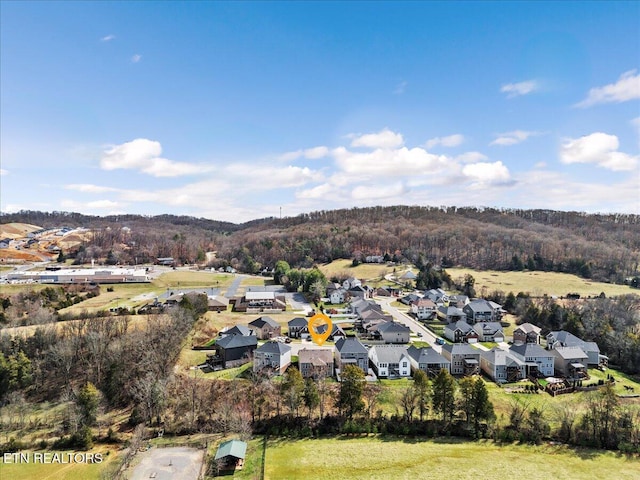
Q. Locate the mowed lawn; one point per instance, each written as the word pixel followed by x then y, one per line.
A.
pixel 538 283
pixel 364 271
pixel 382 458
pixel 60 471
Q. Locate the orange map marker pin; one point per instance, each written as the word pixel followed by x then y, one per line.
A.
pixel 315 324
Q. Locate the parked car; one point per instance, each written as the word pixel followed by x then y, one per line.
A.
pixel 439 341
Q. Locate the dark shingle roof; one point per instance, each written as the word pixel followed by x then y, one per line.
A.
pixel 350 345
pixel 235 341
pixel 262 321
pixel 274 347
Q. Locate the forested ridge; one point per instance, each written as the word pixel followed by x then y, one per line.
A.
pixel 599 246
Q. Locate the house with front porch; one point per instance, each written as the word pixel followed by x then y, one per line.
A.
pixel 266 328
pixel 459 332
pixel 526 333
pixel 295 326
pixel 423 309
pixel 489 332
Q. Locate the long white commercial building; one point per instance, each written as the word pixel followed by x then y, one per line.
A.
pixel 82 275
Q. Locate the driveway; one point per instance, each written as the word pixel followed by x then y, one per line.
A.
pixel 413 324
pixel 179 463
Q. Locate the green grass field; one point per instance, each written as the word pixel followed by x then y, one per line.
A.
pixel 59 471
pixel 365 271
pixel 383 458
pixel 538 283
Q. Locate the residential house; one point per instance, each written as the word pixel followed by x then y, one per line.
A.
pixel 266 328
pixel 489 332
pixel 409 298
pixel 384 292
pixel 394 332
pixel 232 351
pixel 480 310
pixel 316 362
pixel 465 360
pixel 390 361
pixel 570 362
pixel 358 291
pixel 565 339
pixel 538 362
pixel 337 295
pixel 230 454
pixel 236 330
pixel 451 314
pixel 459 332
pixel 501 366
pixel 273 356
pixel 458 301
pixel 374 259
pixel 350 283
pixel 427 360
pixel 217 303
pixel 423 309
pixel 296 325
pixel 437 296
pixel 408 276
pixel 526 333
pixel 349 351
pixel 336 332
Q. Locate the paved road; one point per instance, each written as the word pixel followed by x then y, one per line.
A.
pixel 231 291
pixel 413 324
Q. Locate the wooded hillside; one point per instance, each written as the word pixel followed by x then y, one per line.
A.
pixel 600 246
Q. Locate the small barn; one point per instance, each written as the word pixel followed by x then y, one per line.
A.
pixel 230 454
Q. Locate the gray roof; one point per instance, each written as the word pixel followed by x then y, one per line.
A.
pixel 298 322
pixel 497 356
pixel 235 341
pixel 460 324
pixel 389 353
pixel 460 349
pixel 274 347
pixel 488 327
pixel 390 327
pixel 448 311
pixel 528 328
pixel 231 448
pixel 350 345
pixel 570 340
pixel 262 321
pixel 530 350
pixel 426 355
pixel 238 330
pixel 479 305
pixel 569 353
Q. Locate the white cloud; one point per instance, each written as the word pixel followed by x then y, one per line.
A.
pixel 88 188
pixel 484 173
pixel 323 191
pixel 267 177
pixel 74 205
pixel 400 88
pixel 143 154
pixel 366 192
pixel 383 139
pixel 108 38
pixel 3 172
pixel 512 138
pixel 626 88
pixel 521 88
pixel 136 58
pixel 448 141
pixel 399 162
pixel 598 148
pixel 314 153
pixel 471 157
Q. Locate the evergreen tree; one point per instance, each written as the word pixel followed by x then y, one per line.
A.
pixel 444 391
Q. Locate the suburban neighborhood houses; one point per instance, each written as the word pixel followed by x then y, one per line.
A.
pixel 388 343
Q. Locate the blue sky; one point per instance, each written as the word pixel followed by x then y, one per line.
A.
pixel 234 110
